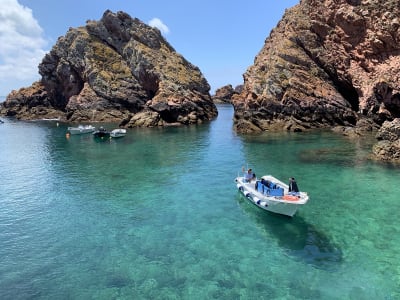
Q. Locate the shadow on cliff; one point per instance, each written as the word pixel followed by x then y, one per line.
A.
pixel 296 237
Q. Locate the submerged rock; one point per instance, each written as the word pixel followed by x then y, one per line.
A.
pixel 116 69
pixel 327 63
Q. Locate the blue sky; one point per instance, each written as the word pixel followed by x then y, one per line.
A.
pixel 220 37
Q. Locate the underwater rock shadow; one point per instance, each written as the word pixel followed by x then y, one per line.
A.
pixel 296 237
pixel 349 157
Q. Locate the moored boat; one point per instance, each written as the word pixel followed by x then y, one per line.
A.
pixel 119 132
pixel 81 129
pixel 101 133
pixel 51 119
pixel 271 194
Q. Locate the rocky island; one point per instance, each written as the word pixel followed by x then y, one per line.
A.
pixel 117 69
pixel 225 94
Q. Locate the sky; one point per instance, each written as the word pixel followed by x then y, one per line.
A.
pixel 218 36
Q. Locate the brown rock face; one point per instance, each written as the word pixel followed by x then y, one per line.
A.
pixel 326 63
pixel 115 69
pixel 388 147
pixel 224 94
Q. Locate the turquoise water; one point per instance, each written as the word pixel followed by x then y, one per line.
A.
pixel 156 215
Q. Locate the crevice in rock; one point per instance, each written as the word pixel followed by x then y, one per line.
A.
pixel 168 116
pixel 354 2
pixel 166 112
pixel 384 94
pixel 149 82
pixel 345 88
pixel 349 93
pixel 394 106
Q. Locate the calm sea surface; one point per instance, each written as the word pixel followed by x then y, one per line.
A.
pixel 156 215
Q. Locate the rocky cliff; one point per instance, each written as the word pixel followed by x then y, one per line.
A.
pixel 117 69
pixel 327 63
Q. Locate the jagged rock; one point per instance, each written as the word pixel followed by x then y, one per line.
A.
pixel 117 69
pixel 327 63
pixel 389 131
pixel 388 146
pixel 224 94
pixel 239 88
pixel 364 126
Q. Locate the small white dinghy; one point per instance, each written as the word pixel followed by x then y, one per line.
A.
pixel 81 129
pixel 119 132
pixel 271 194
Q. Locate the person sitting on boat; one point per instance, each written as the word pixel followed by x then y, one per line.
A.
pixel 249 176
pixel 293 185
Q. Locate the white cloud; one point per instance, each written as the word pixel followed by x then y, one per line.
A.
pixel 156 22
pixel 22 46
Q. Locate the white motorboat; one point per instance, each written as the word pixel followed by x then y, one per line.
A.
pixel 81 129
pixel 119 132
pixel 271 194
pixel 51 119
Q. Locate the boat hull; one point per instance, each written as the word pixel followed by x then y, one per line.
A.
pixel 81 129
pixel 101 135
pixel 118 133
pixel 285 204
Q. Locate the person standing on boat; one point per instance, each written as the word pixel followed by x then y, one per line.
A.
pixel 293 185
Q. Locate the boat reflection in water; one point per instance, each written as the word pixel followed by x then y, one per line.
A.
pixel 296 237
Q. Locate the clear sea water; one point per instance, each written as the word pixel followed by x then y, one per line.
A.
pixel 156 215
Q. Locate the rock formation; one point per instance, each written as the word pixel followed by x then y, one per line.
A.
pixel 117 69
pixel 388 147
pixel 327 63
pixel 225 94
